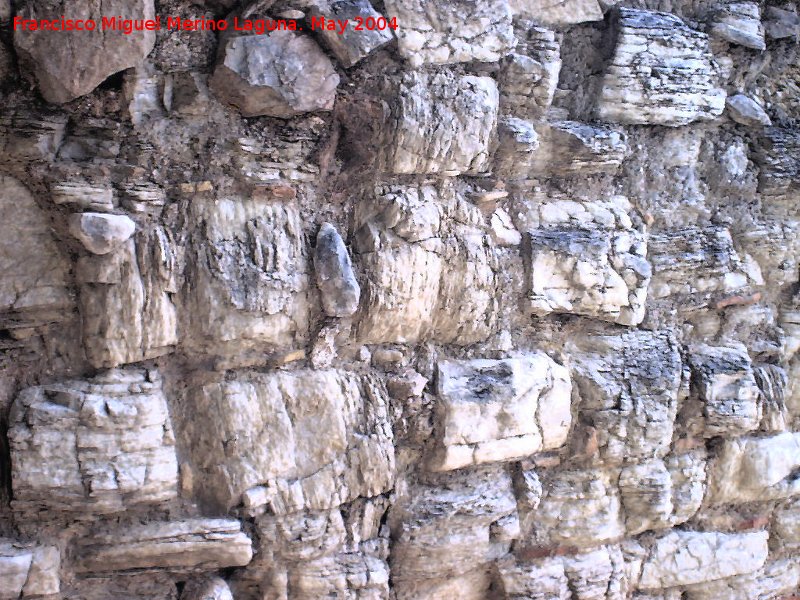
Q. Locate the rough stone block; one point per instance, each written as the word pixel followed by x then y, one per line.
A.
pixel 662 73
pixel 777 153
pixel 103 445
pixel 724 383
pixel 206 544
pixel 441 31
pixel 351 45
pixel 627 387
pixel 558 13
pixel 335 278
pixel 249 269
pixel 500 410
pixel 572 148
pixel 69 64
pixel 430 268
pixel 313 439
pixel 27 570
pixel 776 579
pixel 739 23
pixel 691 557
pixel 280 74
pixel 646 493
pixel 33 270
pixel 751 469
pixel 126 300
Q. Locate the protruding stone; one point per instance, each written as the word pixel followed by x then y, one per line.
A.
pixel 740 23
pixel 101 233
pixel 683 91
pixel 558 13
pixel 446 31
pixel 88 196
pixel 351 45
pixel 280 74
pixel 210 588
pixel 190 544
pixel 500 410
pixel 69 64
pixel 780 23
pixel 746 111
pixel 569 147
pixel 335 278
pixel 27 570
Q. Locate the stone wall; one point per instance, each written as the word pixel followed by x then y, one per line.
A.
pixel 501 303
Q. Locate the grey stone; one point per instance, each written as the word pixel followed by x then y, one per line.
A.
pixel 27 570
pixel 211 588
pixel 746 111
pixel 69 64
pixel 351 45
pixel 780 23
pixel 280 74
pixel 101 233
pixel 335 278
pixel 740 23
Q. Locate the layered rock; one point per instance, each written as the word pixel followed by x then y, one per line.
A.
pixel 776 153
pixel 558 13
pixel 440 32
pixel 739 23
pixel 103 445
pixel 500 410
pixel 662 73
pixel 288 441
pixel 69 64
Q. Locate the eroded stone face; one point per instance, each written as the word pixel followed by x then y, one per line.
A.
pixel 103 445
pixel 356 41
pixel 27 570
pixel 662 73
pixel 69 64
pixel 310 439
pixel 500 410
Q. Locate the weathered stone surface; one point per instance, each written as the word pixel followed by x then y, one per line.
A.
pixel 101 233
pixel 442 534
pixel 683 90
pixel 190 544
pixel 440 32
pixel 529 76
pixel 429 266
pixel 351 45
pixel 419 144
pixel 25 136
pixel 104 445
pixel 250 277
pixel 777 153
pixel 646 494
pixel 126 300
pixel 558 13
pixel 601 273
pixel 689 557
pixel 335 278
pixel 746 111
pixel 314 439
pixel 688 475
pixel 739 23
pixel 749 469
pixel 569 147
pixel 212 588
pixel 516 151
pixel 280 74
pixel 780 23
pixel 33 271
pixel 627 389
pixel 724 383
pixel 776 579
pixel 500 410
pixel 27 570
pixel 69 64
pixel 89 196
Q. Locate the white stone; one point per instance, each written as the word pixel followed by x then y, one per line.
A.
pixel 101 233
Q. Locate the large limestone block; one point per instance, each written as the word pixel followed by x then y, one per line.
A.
pixel 429 267
pixel 33 270
pixel 126 300
pixel 627 389
pixel 646 493
pixel 558 13
pixel 589 272
pixel 27 570
pixel 454 31
pixel 500 410
pixel 280 74
pixel 249 273
pixel 690 557
pixel 417 141
pixel 442 532
pixel 305 439
pixel 751 469
pixel 573 148
pixel 191 544
pixel 725 385
pixel 69 64
pixel 662 73
pixel 103 445
pixel 776 579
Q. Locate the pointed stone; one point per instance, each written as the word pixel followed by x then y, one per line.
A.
pixel 335 278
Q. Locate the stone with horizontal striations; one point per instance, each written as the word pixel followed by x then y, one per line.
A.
pixel 777 153
pixel 280 74
pixel 739 23
pixel 746 111
pixel 101 233
pixel 190 544
pixel 558 13
pixel 335 278
pixel 356 42
pixel 27 570
pixel 662 73
pixel 569 147
pixel 69 64
pixel 776 579
pixel 452 31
